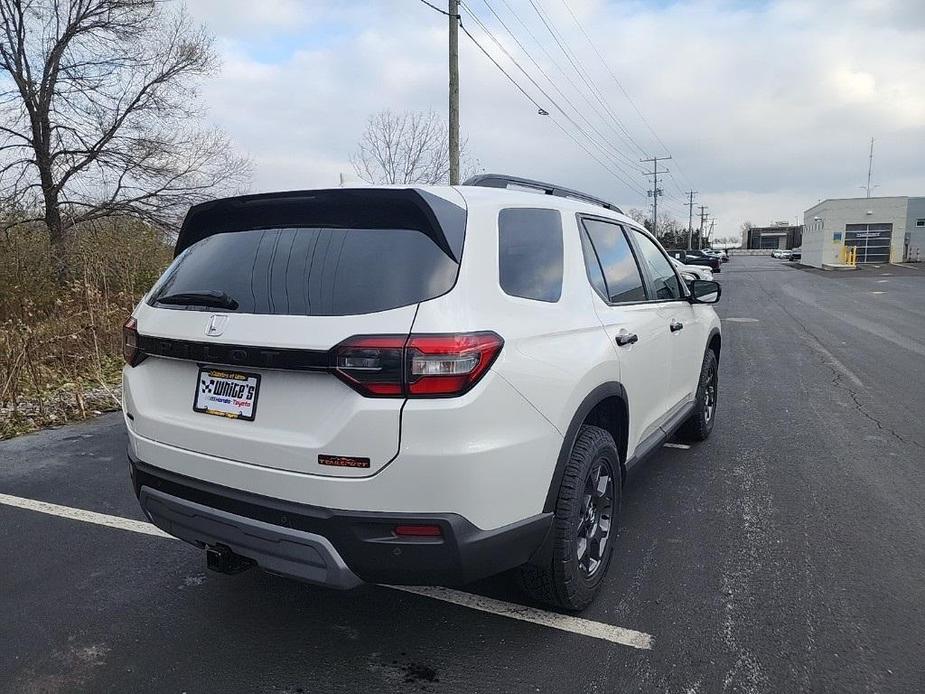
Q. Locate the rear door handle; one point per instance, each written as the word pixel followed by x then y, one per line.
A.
pixel 675 326
pixel 624 339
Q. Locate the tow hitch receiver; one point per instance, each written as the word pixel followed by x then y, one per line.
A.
pixel 221 559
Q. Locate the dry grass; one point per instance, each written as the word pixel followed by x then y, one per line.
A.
pixel 60 343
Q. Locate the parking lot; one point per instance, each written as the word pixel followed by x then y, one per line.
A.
pixel 787 552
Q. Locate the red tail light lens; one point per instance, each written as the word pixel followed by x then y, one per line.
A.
pixel 372 365
pixel 448 365
pixel 130 343
pixel 419 366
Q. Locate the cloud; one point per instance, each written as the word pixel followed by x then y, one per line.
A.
pixel 766 107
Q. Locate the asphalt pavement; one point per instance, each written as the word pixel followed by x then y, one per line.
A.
pixel 786 553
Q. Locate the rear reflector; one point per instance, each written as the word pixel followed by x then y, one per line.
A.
pixel 418 531
pixel 417 366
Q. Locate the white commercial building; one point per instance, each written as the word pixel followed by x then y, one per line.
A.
pixel 882 230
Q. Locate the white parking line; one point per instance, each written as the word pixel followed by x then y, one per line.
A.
pixel 553 620
pixel 682 446
pixel 84 516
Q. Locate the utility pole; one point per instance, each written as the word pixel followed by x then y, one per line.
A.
pixel 870 164
pixel 453 11
pixel 703 216
pixel 656 191
pixel 690 218
pixel 710 232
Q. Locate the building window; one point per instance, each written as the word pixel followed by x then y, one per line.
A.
pixel 920 222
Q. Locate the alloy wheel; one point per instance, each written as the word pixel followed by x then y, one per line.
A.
pixel 594 527
pixel 709 394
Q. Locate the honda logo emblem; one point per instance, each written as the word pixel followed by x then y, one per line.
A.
pixel 216 325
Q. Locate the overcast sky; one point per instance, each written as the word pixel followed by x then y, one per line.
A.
pixel 766 106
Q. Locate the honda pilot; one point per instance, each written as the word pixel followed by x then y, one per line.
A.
pixel 413 385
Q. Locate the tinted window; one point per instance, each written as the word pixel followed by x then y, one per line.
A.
pixel 530 253
pixel 664 279
pixel 314 272
pixel 610 263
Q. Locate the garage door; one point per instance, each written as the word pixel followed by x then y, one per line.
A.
pixel 872 241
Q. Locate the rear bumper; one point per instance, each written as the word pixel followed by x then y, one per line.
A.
pixel 332 547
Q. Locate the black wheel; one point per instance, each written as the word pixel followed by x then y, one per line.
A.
pixel 700 423
pixel 584 527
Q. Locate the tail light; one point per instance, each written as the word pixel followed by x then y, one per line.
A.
pixel 417 366
pixel 372 365
pixel 130 351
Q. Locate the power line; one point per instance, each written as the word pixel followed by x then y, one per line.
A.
pixel 614 77
pixel 434 7
pixel 565 75
pixel 556 87
pixel 601 142
pixel 540 108
pixel 581 72
pixel 623 90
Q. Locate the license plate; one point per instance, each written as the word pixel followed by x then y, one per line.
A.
pixel 227 393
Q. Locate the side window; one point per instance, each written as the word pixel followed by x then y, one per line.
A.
pixel 610 263
pixel 666 284
pixel 530 253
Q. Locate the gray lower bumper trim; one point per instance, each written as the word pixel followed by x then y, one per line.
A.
pixel 293 553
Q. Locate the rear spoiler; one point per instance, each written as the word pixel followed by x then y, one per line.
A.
pixel 351 208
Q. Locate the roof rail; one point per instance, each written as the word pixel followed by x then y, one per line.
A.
pixel 505 181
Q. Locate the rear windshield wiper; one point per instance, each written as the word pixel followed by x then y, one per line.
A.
pixel 205 297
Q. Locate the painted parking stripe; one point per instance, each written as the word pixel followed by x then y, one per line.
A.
pixel 562 622
pixel 682 446
pixel 84 516
pixel 575 625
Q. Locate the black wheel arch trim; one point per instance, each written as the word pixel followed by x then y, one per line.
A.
pixel 715 332
pixel 592 399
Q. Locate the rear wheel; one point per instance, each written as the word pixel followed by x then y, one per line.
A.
pixel 700 423
pixel 584 527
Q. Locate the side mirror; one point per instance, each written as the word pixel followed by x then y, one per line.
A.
pixel 705 291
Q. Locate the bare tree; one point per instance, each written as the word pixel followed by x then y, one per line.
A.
pixel 100 115
pixel 639 217
pixel 406 147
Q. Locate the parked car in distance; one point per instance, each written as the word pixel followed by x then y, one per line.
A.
pixel 694 257
pixel 373 383
pixel 796 254
pixel 776 253
pixel 716 253
pixel 692 272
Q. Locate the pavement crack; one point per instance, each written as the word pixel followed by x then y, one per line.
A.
pixel 837 374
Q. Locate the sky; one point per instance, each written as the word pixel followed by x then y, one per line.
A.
pixel 766 106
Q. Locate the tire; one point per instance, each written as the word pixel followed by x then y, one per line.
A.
pixel 572 577
pixel 699 425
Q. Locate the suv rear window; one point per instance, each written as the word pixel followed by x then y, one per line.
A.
pixel 312 271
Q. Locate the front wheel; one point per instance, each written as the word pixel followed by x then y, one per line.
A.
pixel 584 527
pixel 700 423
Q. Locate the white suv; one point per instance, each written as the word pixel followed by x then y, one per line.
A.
pixel 418 385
